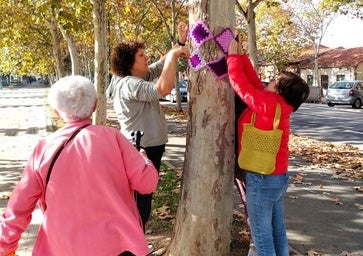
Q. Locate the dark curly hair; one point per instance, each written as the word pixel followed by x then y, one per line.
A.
pixel 123 57
pixel 293 88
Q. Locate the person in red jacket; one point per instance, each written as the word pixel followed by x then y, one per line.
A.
pixel 264 193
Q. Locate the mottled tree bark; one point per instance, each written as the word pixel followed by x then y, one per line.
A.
pixel 101 70
pixel 203 221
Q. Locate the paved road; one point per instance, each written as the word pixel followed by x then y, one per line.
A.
pixel 340 124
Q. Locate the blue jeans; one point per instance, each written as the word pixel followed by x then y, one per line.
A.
pixel 264 196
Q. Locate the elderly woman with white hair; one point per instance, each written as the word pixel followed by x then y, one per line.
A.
pixel 83 177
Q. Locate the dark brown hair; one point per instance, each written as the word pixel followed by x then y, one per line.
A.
pixel 293 88
pixel 123 57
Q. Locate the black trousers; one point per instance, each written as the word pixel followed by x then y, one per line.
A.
pixel 144 201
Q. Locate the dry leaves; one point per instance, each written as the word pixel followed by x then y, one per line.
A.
pixel 180 116
pixel 6 195
pixel 312 252
pixel 344 253
pixel 164 212
pixel 345 160
pixel 337 200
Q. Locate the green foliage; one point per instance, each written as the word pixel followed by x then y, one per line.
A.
pixel 24 46
pixel 26 42
pixel 278 38
pixel 347 7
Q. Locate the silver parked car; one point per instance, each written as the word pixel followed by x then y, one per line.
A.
pixel 345 93
pixel 183 92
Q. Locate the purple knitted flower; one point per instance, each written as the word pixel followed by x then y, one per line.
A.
pixel 201 33
pixel 224 38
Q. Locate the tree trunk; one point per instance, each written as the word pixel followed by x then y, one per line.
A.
pixel 250 16
pixel 57 53
pixel 101 71
pixel 175 37
pixel 251 31
pixel 72 48
pixel 203 221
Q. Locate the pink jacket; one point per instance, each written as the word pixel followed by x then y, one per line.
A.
pixel 90 201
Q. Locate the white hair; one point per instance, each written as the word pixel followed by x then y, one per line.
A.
pixel 74 98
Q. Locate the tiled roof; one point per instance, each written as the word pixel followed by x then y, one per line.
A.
pixel 308 53
pixel 338 57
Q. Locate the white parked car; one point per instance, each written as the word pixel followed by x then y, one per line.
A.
pixel 183 92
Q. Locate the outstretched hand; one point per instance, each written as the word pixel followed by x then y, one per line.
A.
pixel 183 30
pixel 233 47
pixel 180 51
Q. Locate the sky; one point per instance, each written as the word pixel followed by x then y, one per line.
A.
pixel 344 31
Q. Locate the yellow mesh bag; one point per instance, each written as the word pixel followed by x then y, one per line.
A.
pixel 259 147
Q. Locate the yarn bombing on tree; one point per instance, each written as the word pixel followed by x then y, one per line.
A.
pixel 200 34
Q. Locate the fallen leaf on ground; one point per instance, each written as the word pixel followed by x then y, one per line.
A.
pixel 312 252
pixel 163 212
pixel 298 179
pixel 344 253
pixel 244 235
pixel 6 195
pixel 337 200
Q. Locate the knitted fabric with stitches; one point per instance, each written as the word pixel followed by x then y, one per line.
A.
pixel 224 38
pixel 196 61
pixel 201 34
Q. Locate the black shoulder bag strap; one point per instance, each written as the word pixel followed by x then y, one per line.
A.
pixel 60 150
pixel 58 153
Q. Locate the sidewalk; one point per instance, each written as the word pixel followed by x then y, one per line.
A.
pixel 321 215
pixel 22 123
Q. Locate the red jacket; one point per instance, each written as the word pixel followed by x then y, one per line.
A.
pixel 249 88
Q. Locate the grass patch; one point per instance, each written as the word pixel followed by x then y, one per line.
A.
pixel 165 200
